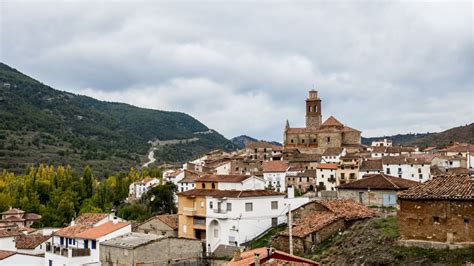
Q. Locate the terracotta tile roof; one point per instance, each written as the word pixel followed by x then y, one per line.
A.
pixel 275 166
pixel 333 151
pixel 459 148
pixel 379 182
pixel 223 178
pixel 371 165
pixel 5 254
pixel 89 218
pixel 72 231
pixel 101 230
pixel 169 219
pixel 32 216
pixel 306 158
pixel 405 160
pixel 229 193
pixel 449 187
pixel 348 209
pixel 13 211
pixel 399 149
pixel 277 257
pixel 327 166
pixel 260 144
pixel 378 149
pixel 331 122
pixel 9 233
pixel 30 241
pixel 312 222
pixel 12 219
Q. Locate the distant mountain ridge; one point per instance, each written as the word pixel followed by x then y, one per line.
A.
pixel 42 125
pixel 460 134
pixel 241 140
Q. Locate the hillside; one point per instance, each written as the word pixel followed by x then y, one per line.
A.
pixel 44 125
pixel 240 141
pixel 461 134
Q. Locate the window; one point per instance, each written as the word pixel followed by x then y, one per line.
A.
pixel 203 185
pixel 307 179
pixel 302 141
pixel 229 206
pixel 185 228
pixel 315 108
pixel 310 108
pixel 86 243
pixel 421 176
pixel 314 140
pixel 466 220
pixel 211 205
pixel 213 185
pixel 274 222
pixel 274 205
pixel 291 140
pixel 419 170
pixel 248 206
pixel 328 139
pixel 435 219
pixel 388 171
pixel 93 243
pixel 399 169
pixel 61 240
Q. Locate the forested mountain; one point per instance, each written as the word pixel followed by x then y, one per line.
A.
pixel 461 134
pixel 42 125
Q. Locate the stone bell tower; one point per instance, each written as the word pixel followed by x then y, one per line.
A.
pixel 313 110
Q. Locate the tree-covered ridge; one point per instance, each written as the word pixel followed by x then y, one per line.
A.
pixel 42 125
pixel 59 195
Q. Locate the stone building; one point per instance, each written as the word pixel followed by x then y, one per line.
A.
pixel 304 181
pixel 316 137
pixel 439 210
pixel 166 224
pixel 316 221
pixel 375 190
pixel 149 249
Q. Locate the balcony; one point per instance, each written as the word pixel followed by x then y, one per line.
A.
pixel 63 251
pixel 219 211
pixel 320 188
pixel 189 211
pixel 332 180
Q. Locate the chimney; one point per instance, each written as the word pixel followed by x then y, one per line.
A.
pixel 291 192
pixel 257 259
pixel 237 256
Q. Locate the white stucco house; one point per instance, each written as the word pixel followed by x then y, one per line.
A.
pixel 415 169
pixel 326 176
pixel 274 174
pixel 139 188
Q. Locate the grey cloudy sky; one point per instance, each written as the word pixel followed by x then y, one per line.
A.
pixel 245 67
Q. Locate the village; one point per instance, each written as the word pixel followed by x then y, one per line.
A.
pixel 315 186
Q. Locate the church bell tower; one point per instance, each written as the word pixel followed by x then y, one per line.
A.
pixel 313 110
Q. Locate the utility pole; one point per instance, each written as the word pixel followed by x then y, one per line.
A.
pixel 290 228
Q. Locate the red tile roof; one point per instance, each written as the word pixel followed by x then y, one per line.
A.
pixel 13 211
pixel 169 219
pixel 327 166
pixel 229 193
pixel 331 121
pixel 101 230
pixel 379 182
pixel 72 231
pixel 30 241
pixel 9 233
pixel 312 222
pixel 223 178
pixel 5 254
pixel 371 165
pixel 277 257
pixel 451 187
pixel 348 209
pixel 89 218
pixel 275 166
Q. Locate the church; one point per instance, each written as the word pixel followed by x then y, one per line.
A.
pixel 317 136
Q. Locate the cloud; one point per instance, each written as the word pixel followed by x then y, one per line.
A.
pixel 244 68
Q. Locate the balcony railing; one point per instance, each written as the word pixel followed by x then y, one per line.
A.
pixel 219 211
pixel 80 252
pixel 332 180
pixel 320 188
pixel 199 222
pixel 189 211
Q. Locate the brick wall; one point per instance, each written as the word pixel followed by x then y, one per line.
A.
pixel 441 221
